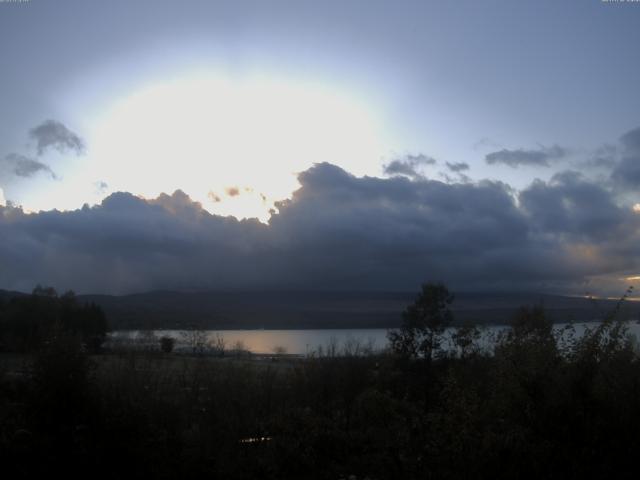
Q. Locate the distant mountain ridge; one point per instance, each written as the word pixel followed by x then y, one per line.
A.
pixel 317 309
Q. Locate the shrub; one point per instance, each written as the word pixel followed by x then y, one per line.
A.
pixel 167 344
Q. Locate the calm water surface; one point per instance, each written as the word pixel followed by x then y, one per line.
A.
pixel 301 342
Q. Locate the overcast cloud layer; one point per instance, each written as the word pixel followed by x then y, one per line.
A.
pixel 568 234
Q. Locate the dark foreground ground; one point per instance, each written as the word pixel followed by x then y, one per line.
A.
pixel 532 408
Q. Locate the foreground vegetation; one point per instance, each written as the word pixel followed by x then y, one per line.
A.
pixel 540 403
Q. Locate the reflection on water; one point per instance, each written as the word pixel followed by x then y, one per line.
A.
pixel 301 342
pixel 298 342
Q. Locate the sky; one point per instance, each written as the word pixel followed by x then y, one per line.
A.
pixel 491 145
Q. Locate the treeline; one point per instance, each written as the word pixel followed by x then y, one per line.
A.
pixel 30 322
pixel 536 403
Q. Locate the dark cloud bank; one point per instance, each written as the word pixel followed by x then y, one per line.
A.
pixel 337 232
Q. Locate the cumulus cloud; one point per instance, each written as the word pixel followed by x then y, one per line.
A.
pixel 232 191
pixel 53 134
pixel 631 140
pixel 338 231
pixel 409 165
pixel 542 157
pixel 49 134
pixel 214 197
pixel 627 171
pixel 457 167
pixel 23 166
pixel 605 157
pixel 101 186
pixel 571 205
pixel 486 143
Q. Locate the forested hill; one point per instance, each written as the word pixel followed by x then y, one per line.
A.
pixel 230 310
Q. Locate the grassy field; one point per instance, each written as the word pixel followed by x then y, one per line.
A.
pixel 534 406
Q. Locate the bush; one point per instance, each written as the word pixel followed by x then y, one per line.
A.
pixel 167 344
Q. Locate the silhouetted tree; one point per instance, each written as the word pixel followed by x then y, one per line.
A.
pixel 465 340
pixel 167 344
pixel 423 324
pixel 41 291
pixel 197 340
pixel 217 345
pixel 28 322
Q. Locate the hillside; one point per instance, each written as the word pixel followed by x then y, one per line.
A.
pixel 304 309
pixel 284 310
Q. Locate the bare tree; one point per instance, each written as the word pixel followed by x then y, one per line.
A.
pixel 217 344
pixel 196 340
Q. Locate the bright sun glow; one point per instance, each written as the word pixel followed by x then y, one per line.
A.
pixel 233 145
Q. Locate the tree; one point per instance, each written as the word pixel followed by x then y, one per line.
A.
pixel 217 345
pixel 465 340
pixel 41 291
pixel 28 322
pixel 167 343
pixel 196 340
pixel 423 323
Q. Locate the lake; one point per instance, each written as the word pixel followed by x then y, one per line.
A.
pixel 297 342
pixel 302 342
